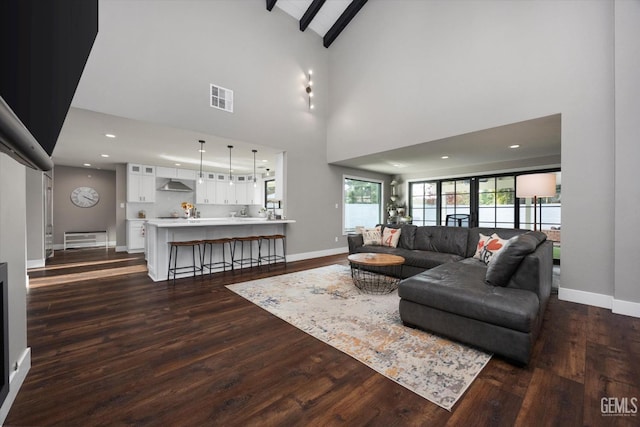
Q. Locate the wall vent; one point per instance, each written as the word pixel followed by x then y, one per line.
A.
pixel 221 98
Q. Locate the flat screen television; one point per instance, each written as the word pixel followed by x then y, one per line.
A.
pixel 44 46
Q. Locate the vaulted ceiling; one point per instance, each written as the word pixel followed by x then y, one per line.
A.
pixel 326 18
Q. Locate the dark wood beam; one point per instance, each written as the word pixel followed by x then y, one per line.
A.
pixel 343 21
pixel 270 4
pixel 311 12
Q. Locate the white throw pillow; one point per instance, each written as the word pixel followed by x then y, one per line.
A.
pixel 491 247
pixel 372 236
pixel 390 237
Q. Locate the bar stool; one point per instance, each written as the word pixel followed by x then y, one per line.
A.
pixel 242 260
pixel 273 257
pixel 224 263
pixel 194 266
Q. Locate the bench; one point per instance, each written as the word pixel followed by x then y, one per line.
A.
pixel 82 238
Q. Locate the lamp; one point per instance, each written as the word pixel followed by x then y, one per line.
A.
pixel 536 185
pixel 308 88
pixel 230 177
pixel 255 183
pixel 200 180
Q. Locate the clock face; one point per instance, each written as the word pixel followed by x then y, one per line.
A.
pixel 84 197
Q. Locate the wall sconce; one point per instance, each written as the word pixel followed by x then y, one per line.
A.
pixel 536 185
pixel 255 183
pixel 200 179
pixel 308 89
pixel 230 177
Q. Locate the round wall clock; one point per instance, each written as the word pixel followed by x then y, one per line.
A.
pixel 84 197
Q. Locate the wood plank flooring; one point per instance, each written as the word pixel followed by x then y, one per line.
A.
pixel 111 347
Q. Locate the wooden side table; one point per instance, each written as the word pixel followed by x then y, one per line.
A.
pixel 369 272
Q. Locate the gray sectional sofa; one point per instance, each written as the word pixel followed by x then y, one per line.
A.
pixel 497 307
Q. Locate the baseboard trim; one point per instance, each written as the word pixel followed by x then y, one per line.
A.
pixel 71 245
pixel 627 308
pixel 16 379
pixel 35 263
pixel 121 249
pixel 317 254
pixel 583 297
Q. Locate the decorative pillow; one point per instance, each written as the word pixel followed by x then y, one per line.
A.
pixel 506 261
pixel 390 237
pixel 490 247
pixel 372 236
pixel 482 241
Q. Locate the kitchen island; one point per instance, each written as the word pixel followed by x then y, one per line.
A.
pixel 159 232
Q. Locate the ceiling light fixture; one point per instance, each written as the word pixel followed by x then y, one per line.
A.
pixel 109 135
pixel 308 89
pixel 255 183
pixel 87 164
pixel 230 177
pixel 104 155
pixel 268 171
pixel 514 146
pixel 444 157
pixel 200 180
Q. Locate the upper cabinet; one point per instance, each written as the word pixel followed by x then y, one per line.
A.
pixel 164 172
pixel 206 190
pixel 141 183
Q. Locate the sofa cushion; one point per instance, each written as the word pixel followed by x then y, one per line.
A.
pixel 413 258
pixel 452 240
pixel 506 262
pixel 391 236
pixel 407 236
pixel 460 288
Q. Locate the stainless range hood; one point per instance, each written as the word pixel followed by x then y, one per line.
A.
pixel 172 185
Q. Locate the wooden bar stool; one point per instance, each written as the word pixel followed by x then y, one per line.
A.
pixel 272 258
pixel 242 260
pixel 174 254
pixel 210 243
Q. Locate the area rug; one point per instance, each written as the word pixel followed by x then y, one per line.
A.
pixel 324 303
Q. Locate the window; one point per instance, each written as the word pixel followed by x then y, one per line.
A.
pixel 424 203
pixel 362 200
pixel 270 201
pixel 456 198
pixel 496 202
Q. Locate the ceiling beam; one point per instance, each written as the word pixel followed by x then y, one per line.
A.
pixel 343 21
pixel 270 4
pixel 311 12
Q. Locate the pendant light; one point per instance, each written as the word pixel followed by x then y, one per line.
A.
pixel 200 179
pixel 230 177
pixel 255 183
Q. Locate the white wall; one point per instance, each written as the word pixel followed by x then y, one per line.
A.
pixel 14 252
pixel 154 61
pixel 627 153
pixel 419 71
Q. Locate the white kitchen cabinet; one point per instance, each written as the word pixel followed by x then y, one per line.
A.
pixel 225 193
pixel 135 235
pixel 174 173
pixel 252 191
pixel 206 191
pixel 141 183
pixel 241 185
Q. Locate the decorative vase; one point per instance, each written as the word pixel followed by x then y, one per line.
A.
pixel 187 213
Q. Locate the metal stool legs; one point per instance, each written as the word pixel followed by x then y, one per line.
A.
pixel 242 260
pixel 218 264
pixel 173 255
pixel 272 258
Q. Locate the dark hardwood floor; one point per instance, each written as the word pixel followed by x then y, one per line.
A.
pixel 110 347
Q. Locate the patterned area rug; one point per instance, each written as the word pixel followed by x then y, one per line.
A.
pixel 324 303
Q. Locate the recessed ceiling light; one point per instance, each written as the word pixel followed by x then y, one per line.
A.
pixel 104 155
pixel 178 164
pixel 444 157
pixel 514 146
pixel 87 164
pixel 265 161
pixel 109 135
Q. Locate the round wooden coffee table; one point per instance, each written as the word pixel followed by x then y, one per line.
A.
pixel 376 273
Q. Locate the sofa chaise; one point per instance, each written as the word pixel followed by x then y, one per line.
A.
pixel 458 285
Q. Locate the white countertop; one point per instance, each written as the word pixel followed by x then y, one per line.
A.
pixel 206 222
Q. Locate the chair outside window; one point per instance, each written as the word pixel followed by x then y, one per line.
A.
pixel 457 220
